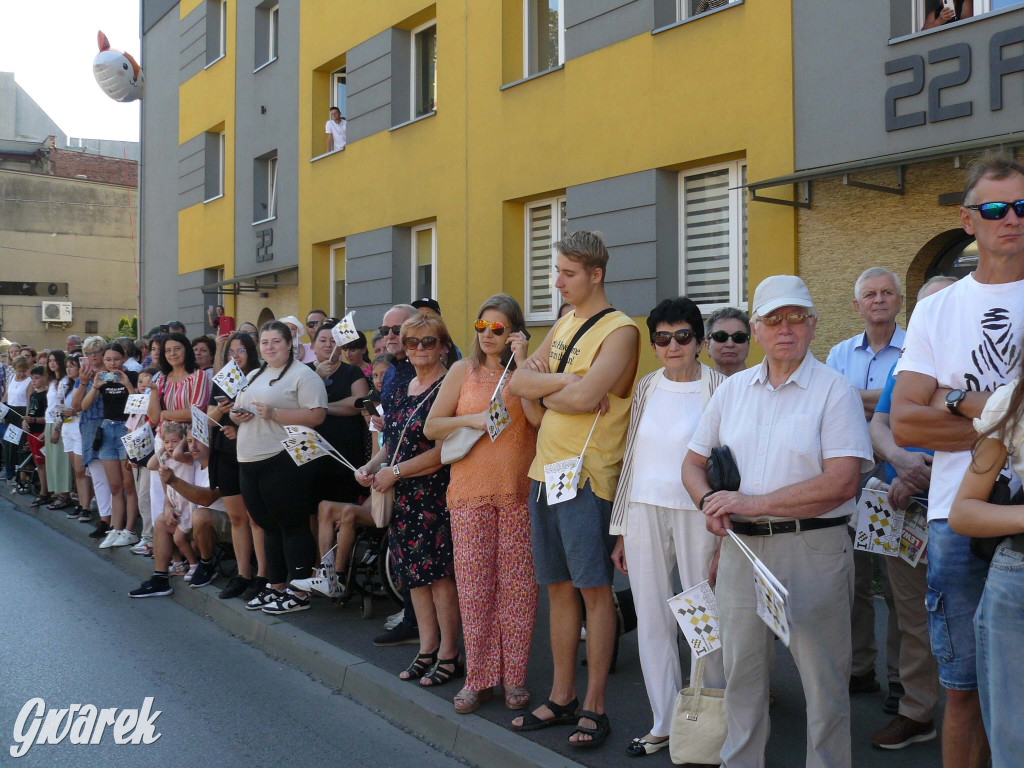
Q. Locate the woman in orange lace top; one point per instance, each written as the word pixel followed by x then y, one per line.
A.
pixel 487 499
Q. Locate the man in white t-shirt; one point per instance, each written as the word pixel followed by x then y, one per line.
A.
pixel 335 130
pixel 963 343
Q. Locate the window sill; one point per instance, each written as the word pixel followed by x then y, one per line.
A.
pixel 704 15
pixel 410 122
pixel 326 154
pixel 222 56
pixel 211 199
pixel 535 322
pixel 264 221
pixel 264 65
pixel 528 78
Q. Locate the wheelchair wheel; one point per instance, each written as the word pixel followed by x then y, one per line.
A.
pixel 387 572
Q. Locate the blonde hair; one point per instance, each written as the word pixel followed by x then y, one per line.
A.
pixel 93 344
pixel 431 323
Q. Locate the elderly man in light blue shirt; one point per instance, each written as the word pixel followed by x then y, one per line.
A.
pixel 865 360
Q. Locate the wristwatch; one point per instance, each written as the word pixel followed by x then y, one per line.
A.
pixel 953 400
pixel 397 471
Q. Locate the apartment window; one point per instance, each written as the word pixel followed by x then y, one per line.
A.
pixel 424 261
pixel 216 30
pixel 924 11
pixel 264 187
pixel 268 32
pixel 338 90
pixel 545 225
pixel 337 280
pixel 687 8
pixel 713 235
pixel 543 35
pixel 424 69
pixel 214 166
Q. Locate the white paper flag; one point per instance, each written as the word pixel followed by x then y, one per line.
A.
pixel 231 380
pixel 498 416
pixel 772 597
pixel 139 444
pixel 562 478
pixel 696 611
pixel 13 434
pixel 304 444
pixel 380 412
pixel 4 410
pixel 137 404
pixel 345 331
pixel 200 426
pixel 879 526
pixel 914 539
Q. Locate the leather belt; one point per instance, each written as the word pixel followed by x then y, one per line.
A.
pixel 772 527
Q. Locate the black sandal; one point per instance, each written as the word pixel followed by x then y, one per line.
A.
pixel 597 734
pixel 60 503
pixel 564 714
pixel 439 675
pixel 420 666
pixel 40 500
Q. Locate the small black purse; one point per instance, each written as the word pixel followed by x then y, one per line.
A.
pixel 985 547
pixel 723 474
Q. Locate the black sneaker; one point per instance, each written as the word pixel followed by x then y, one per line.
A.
pixel 203 575
pixel 74 513
pixel 154 587
pixel 237 585
pixel 86 516
pixel 286 602
pixel 267 596
pixel 256 586
pixel 403 634
pixel 101 531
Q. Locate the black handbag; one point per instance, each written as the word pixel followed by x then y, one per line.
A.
pixel 985 547
pixel 97 440
pixel 723 474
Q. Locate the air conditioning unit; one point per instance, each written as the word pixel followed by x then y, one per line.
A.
pixel 56 311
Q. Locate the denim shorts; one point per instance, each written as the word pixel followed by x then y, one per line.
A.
pixel 571 540
pixel 956 579
pixel 112 448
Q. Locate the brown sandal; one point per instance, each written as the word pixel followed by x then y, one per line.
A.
pixel 516 697
pixel 467 700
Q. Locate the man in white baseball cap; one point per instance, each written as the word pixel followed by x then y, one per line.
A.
pixel 796 429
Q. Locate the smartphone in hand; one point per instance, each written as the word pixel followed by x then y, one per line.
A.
pixel 506 353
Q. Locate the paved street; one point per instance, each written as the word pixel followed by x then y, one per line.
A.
pixel 71 635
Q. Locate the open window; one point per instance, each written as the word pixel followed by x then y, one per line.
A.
pixel 543 35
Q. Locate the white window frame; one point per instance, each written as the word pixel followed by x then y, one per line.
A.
pixel 271 188
pixel 273 33
pixel 223 28
pixel 555 204
pixel 222 141
pixel 342 75
pixel 918 12
pixel 334 310
pixel 414 84
pixel 526 38
pixel 432 226
pixel 737 255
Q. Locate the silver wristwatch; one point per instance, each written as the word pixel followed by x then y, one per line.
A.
pixel 397 471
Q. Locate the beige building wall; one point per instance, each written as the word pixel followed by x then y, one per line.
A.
pixel 849 229
pixel 281 302
pixel 70 231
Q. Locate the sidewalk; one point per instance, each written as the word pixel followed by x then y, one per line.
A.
pixel 333 644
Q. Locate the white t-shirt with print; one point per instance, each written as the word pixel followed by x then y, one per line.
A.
pixel 965 337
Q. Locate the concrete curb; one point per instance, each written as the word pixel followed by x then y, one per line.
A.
pixel 469 737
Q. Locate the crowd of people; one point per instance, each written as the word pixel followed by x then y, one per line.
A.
pixel 480 520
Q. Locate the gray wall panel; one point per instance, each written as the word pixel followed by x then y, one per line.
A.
pixel 368 100
pixel 377 272
pixel 191 171
pixel 191 302
pixel 158 208
pixel 595 24
pixel 192 43
pixel 638 216
pixel 401 62
pixel 371 267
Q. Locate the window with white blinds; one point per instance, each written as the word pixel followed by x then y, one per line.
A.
pixel 713 236
pixel 545 224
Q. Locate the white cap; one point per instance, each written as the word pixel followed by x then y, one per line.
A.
pixel 292 320
pixel 780 291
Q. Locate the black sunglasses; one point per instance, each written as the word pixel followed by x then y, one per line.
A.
pixel 738 338
pixel 395 329
pixel 996 211
pixel 683 337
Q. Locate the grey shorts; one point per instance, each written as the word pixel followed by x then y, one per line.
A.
pixel 571 540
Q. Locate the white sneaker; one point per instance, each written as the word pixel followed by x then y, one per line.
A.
pixel 177 568
pixel 109 539
pixel 323 581
pixel 144 547
pixel 125 539
pixel 191 571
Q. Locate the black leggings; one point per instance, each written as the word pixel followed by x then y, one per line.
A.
pixel 277 495
pixel 10 450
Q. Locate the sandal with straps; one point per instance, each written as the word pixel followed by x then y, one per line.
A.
pixel 439 675
pixel 602 728
pixel 564 714
pixel 60 503
pixel 516 697
pixel 419 667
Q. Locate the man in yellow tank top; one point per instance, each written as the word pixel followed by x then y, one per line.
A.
pixel 571 545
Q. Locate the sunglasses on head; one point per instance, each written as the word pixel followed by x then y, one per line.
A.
pixel 394 329
pixel 497 328
pixel 996 211
pixel 793 318
pixel 683 337
pixel 427 342
pixel 721 337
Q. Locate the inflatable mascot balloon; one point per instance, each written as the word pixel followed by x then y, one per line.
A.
pixel 117 73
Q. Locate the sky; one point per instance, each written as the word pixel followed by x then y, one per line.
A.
pixel 50 44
